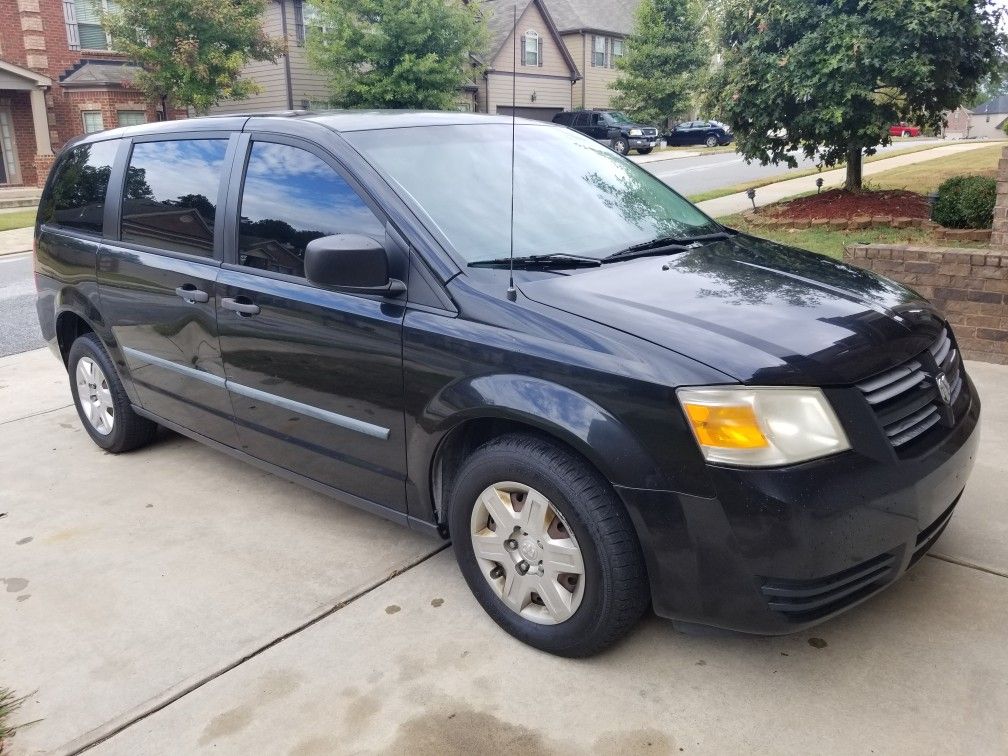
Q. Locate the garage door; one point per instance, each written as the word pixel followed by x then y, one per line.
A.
pixel 536 114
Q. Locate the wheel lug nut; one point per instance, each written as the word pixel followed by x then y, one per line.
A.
pixel 497 572
pixel 511 544
pixel 522 567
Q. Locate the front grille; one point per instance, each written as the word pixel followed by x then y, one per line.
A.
pixel 927 537
pixel 907 400
pixel 804 600
pixel 649 132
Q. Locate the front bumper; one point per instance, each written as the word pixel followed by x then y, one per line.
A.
pixel 779 550
pixel 643 142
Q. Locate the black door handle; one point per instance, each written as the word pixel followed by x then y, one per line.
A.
pixel 191 294
pixel 246 309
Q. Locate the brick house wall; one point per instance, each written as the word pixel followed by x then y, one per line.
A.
pixel 33 35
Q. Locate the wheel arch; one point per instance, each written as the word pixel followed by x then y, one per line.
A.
pixel 469 413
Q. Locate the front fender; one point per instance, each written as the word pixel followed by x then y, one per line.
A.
pixel 549 407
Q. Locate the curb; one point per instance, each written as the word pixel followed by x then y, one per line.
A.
pixel 12 252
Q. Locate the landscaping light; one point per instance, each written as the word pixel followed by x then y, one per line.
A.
pixel 818 183
pixel 751 194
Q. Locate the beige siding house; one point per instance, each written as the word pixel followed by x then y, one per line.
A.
pixel 290 83
pixel 544 73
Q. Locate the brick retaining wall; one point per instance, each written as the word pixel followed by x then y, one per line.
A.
pixel 970 286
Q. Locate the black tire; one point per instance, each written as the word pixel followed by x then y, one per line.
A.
pixel 615 592
pixel 712 141
pixel 906 134
pixel 621 145
pixel 644 150
pixel 129 430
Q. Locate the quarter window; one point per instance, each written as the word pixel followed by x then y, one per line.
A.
pixel 532 47
pixel 598 52
pixel 76 195
pixel 92 121
pixel 291 197
pixel 170 197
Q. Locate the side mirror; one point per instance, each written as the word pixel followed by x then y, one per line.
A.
pixel 350 262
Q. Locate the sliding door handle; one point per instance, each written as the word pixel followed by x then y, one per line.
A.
pixel 242 308
pixel 191 294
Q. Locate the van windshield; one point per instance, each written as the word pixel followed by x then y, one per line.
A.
pixel 572 195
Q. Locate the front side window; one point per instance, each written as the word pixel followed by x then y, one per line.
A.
pixel 92 121
pixel 131 117
pixel 598 51
pixel 572 195
pixel 170 196
pixel 75 197
pixel 533 49
pixel 289 198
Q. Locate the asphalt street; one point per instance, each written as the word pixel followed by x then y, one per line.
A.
pixel 20 330
pixel 706 172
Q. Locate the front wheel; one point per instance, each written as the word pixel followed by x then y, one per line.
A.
pixel 621 145
pixel 101 401
pixel 644 150
pixel 546 547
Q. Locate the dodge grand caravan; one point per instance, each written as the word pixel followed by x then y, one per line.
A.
pixel 657 410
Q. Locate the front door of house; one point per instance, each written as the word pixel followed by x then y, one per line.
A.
pixel 8 148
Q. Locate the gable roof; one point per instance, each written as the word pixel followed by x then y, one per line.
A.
pixel 100 73
pixel 997 105
pixel 615 16
pixel 500 20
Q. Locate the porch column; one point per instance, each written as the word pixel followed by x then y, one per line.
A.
pixel 41 122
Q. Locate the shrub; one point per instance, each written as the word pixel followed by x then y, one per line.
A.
pixel 965 202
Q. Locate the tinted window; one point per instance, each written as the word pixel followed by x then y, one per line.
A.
pixel 581 119
pixel 170 198
pixel 572 194
pixel 291 197
pixel 76 194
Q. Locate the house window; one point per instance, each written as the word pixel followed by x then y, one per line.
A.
pixel 617 51
pixel 92 120
pixel 598 52
pixel 531 49
pixel 83 24
pixel 306 18
pixel 131 117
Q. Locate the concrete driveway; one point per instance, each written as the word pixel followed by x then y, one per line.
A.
pixel 175 601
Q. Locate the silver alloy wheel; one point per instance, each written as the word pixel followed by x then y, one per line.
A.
pixel 527 553
pixel 95 396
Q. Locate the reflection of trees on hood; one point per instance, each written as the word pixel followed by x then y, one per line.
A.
pixel 734 268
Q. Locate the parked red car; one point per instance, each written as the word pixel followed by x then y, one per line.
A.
pixel 904 130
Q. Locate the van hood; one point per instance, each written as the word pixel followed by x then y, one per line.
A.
pixel 758 311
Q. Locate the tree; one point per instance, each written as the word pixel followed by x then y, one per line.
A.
pixel 828 77
pixel 192 51
pixel 395 53
pixel 664 62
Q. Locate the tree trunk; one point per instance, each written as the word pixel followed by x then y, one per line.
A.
pixel 853 182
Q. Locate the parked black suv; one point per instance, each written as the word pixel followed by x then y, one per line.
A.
pixel 659 410
pixel 611 127
pixel 709 133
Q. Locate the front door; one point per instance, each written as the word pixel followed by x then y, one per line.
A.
pixel 157 281
pixel 8 148
pixel 315 375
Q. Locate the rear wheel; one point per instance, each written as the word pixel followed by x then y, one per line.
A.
pixel 711 141
pixel 101 401
pixel 546 547
pixel 906 133
pixel 644 150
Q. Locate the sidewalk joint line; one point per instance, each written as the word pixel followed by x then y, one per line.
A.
pixel 968 565
pixel 36 414
pixel 197 684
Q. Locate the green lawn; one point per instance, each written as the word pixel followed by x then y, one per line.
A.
pixel 757 183
pixel 831 243
pixel 926 176
pixel 17 219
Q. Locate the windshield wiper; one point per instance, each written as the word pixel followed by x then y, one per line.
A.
pixel 664 244
pixel 553 260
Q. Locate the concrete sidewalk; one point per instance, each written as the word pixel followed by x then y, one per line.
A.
pixel 765 195
pixel 16 240
pixel 174 600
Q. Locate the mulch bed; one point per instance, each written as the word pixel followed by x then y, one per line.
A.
pixel 837 203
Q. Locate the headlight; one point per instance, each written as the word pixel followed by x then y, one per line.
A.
pixel 636 132
pixel 762 427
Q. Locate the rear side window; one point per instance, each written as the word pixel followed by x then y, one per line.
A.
pixel 170 197
pixel 75 197
pixel 291 197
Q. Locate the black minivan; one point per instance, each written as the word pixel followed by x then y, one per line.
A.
pixel 656 409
